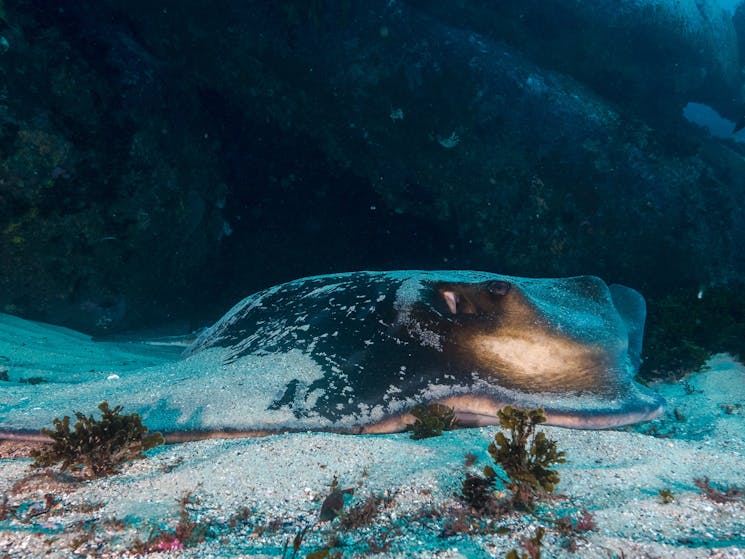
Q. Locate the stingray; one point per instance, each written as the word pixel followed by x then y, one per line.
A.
pixel 353 353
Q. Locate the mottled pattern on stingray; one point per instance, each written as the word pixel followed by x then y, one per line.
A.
pixel 384 341
pixel 353 353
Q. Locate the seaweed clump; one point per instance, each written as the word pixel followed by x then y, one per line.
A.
pixel 97 447
pixel 431 421
pixel 719 494
pixel 525 457
pixel 187 533
pixel 531 547
pixel 666 496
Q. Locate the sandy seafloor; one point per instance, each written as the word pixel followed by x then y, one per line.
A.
pixel 254 495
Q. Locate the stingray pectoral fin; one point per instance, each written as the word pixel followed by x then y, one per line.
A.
pixel 391 424
pixel 637 404
pixel 602 419
pixel 24 435
pixel 578 412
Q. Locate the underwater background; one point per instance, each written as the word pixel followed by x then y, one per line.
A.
pixel 161 160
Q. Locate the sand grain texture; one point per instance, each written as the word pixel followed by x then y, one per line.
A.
pixel 249 497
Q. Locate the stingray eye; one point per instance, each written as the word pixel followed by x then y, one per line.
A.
pixel 451 299
pixel 498 287
pixel 458 303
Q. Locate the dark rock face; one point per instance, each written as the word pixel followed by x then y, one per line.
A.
pixel 652 57
pixel 94 161
pixel 154 156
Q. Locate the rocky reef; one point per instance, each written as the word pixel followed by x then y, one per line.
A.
pixel 158 162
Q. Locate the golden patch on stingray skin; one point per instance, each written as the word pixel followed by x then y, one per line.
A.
pixel 538 361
